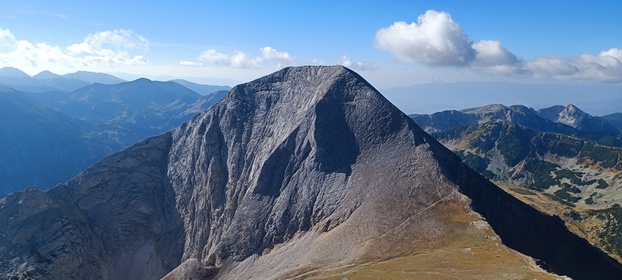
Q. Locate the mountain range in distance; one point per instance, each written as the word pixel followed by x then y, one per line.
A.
pixel 131 111
pixel 568 120
pixel 49 137
pixel 46 81
pixel 42 147
pixel 596 99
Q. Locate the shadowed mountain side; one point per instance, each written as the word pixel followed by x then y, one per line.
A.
pixel 41 147
pixel 614 119
pixel 540 236
pixel 114 221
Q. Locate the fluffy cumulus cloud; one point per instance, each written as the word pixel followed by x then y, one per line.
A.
pixel 493 57
pixel 436 40
pixel 108 48
pixel 239 59
pixel 111 47
pixel 7 38
pixel 271 53
pixel 356 65
pixel 606 66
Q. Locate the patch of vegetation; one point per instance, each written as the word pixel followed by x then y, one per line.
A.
pixel 559 200
pixel 563 194
pixel 573 215
pixel 488 174
pixel 560 145
pixel 514 145
pixel 610 237
pixel 574 177
pixel 570 188
pixel 477 163
pixel 567 191
pixel 450 134
pixel 606 157
pixel 602 184
pixel 541 171
pixel 589 182
pixel 483 137
pixel 590 200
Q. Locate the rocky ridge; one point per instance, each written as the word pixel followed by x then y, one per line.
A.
pixel 568 120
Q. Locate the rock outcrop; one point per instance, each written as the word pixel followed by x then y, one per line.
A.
pixel 305 172
pixel 572 116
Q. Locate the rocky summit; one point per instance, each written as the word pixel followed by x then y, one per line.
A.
pixel 305 173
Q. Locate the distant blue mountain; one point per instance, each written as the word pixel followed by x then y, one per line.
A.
pixel 595 99
pixel 48 81
pixel 614 119
pixel 568 120
pixel 200 88
pixel 92 77
pixel 12 72
pixel 41 147
pixel 47 75
pixel 575 117
pixel 130 111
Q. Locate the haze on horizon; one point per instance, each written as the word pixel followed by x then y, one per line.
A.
pixel 392 45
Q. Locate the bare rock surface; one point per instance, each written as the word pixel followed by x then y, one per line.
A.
pixel 305 172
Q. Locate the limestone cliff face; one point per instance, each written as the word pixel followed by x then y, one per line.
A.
pixel 304 172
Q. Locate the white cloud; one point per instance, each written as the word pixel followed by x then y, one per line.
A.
pixel 271 53
pixel 606 66
pixel 107 41
pixel 493 57
pixel 111 47
pixel 239 59
pixel 108 48
pixel 359 66
pixel 435 39
pixel 190 63
pixel 21 53
pixel 616 53
pixel 7 38
pixel 492 53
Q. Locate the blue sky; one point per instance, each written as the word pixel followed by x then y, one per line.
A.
pixel 438 41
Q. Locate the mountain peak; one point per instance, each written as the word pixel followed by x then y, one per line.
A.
pixel 141 80
pixel 571 109
pixel 94 77
pixel 12 72
pixel 319 79
pixel 46 75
